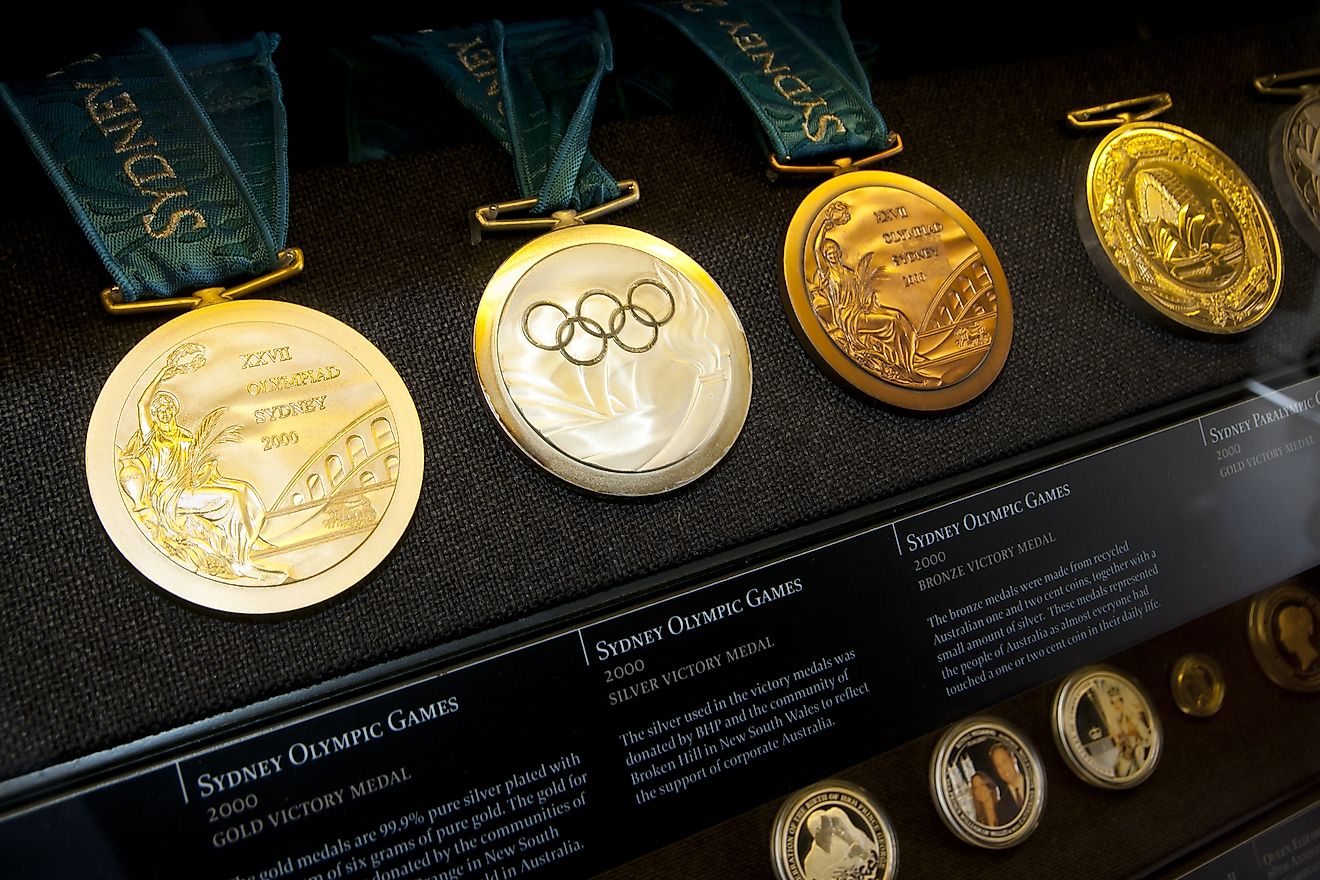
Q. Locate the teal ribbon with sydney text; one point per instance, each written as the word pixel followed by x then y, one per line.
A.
pixel 795 66
pixel 533 85
pixel 173 161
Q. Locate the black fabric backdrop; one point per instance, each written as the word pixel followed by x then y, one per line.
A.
pixel 92 656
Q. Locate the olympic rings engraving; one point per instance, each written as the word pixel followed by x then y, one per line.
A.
pixel 605 331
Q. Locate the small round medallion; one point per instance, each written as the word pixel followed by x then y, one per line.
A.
pixel 612 360
pixel 1168 217
pixel 1295 168
pixel 1284 628
pixel 1197 683
pixel 1106 728
pixel 988 782
pixel 833 830
pixel 254 457
pixel 895 292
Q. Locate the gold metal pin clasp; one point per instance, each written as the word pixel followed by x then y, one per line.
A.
pixel 290 264
pixel 490 218
pixel 1121 112
pixel 1297 82
pixel 836 166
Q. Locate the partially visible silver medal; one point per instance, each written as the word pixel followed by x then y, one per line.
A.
pixel 1295 150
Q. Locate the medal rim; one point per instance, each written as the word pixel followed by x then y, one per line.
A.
pixel 1181 667
pixel 525 437
pixel 779 856
pixel 1062 697
pixel 821 348
pixel 1261 639
pixel 943 805
pixel 1303 221
pixel 1093 240
pixel 208 593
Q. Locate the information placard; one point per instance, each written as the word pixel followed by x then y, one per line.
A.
pixel 575 752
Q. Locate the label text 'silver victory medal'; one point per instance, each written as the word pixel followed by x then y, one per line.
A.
pixel 612 360
pixel 254 457
pixel 895 292
pixel 1167 216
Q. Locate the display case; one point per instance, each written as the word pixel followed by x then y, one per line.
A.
pixel 542 682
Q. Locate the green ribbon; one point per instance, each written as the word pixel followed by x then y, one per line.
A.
pixel 534 87
pixel 795 66
pixel 173 162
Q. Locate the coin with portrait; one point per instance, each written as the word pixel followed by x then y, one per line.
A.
pixel 833 830
pixel 1284 628
pixel 1197 683
pixel 1106 727
pixel 988 782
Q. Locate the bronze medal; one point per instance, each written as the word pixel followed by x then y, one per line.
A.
pixel 895 292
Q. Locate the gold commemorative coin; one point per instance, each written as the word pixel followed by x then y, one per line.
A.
pixel 612 360
pixel 1106 728
pixel 833 830
pixel 1284 629
pixel 895 292
pixel 988 783
pixel 1197 683
pixel 1174 225
pixel 1294 150
pixel 254 457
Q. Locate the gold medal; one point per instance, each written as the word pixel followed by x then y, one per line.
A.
pixel 1197 683
pixel 1106 728
pixel 988 782
pixel 1284 630
pixel 895 292
pixel 1170 221
pixel 1295 150
pixel 612 360
pixel 833 829
pixel 254 457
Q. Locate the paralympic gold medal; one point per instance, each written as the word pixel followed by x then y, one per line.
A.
pixel 1284 630
pixel 1294 150
pixel 1106 728
pixel 1173 224
pixel 254 457
pixel 612 360
pixel 895 292
pixel 988 782
pixel 833 829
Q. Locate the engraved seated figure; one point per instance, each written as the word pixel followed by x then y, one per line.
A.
pixel 173 483
pixel 846 299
